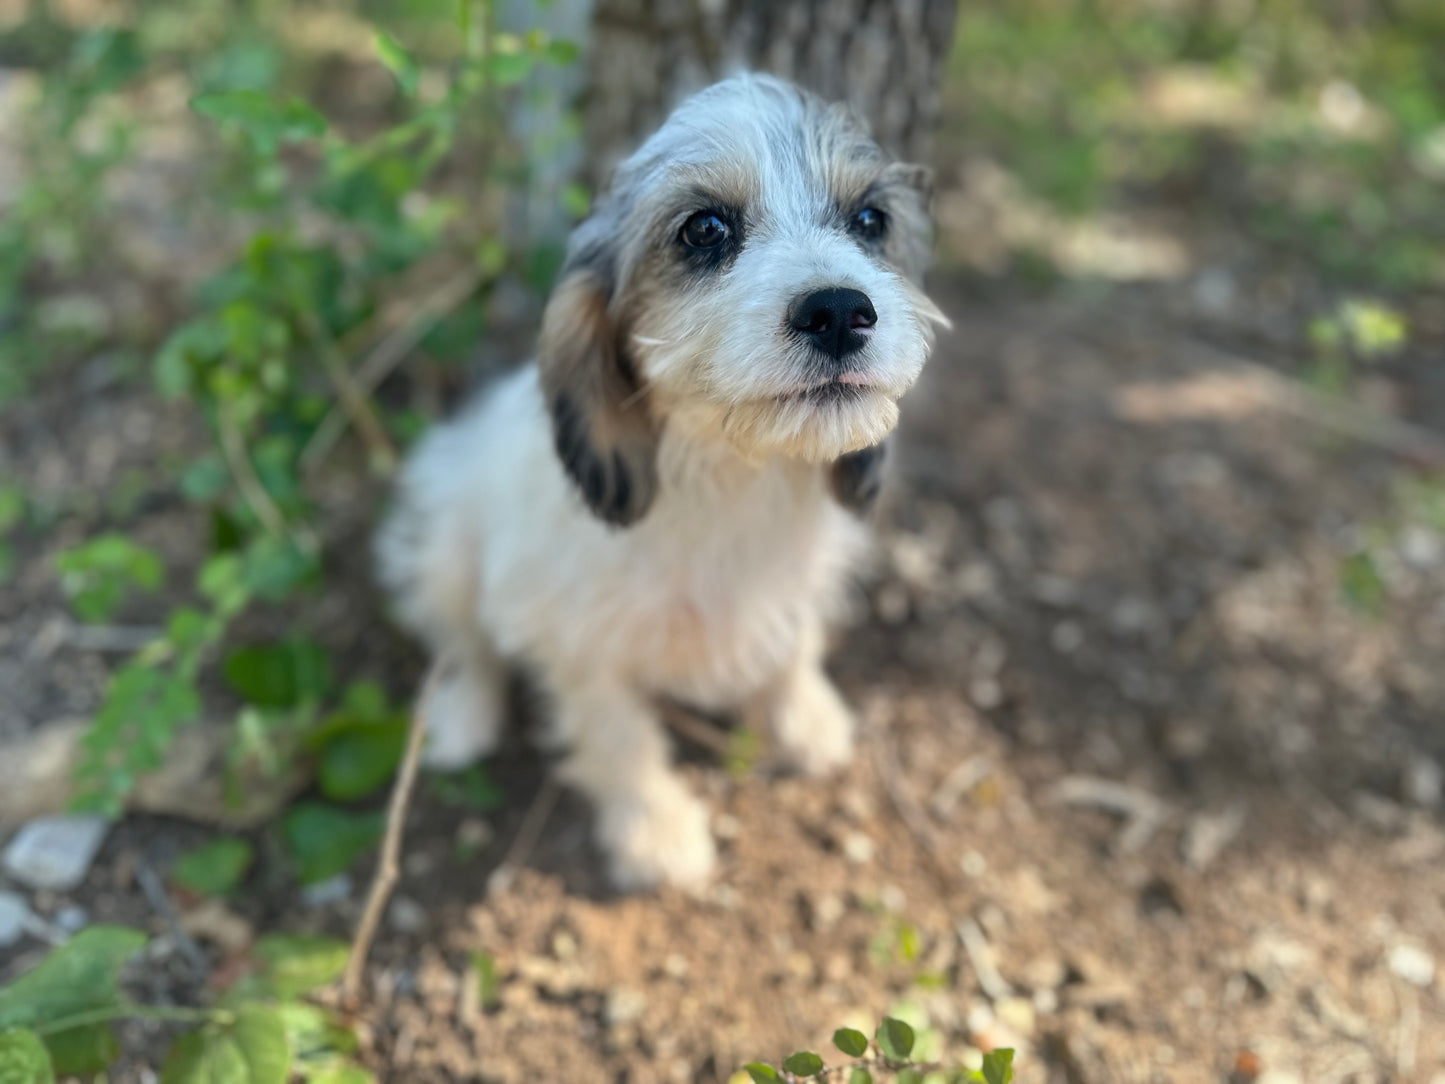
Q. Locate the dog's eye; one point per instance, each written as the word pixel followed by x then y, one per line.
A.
pixel 869 223
pixel 704 230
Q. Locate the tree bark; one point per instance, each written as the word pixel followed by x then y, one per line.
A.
pixel 884 57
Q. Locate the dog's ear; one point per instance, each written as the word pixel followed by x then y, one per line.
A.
pixel 856 478
pixel 604 432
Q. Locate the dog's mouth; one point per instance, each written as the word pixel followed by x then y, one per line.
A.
pixel 847 388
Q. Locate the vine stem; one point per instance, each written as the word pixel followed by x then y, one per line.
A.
pixel 387 866
pixel 233 447
pixel 171 1013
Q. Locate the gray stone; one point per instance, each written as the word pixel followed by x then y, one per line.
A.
pixel 72 918
pixel 15 918
pixel 324 893
pixel 55 853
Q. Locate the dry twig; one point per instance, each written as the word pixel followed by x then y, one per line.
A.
pixel 526 837
pixel 387 866
pixel 422 315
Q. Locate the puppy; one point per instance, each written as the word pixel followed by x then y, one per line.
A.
pixel 666 504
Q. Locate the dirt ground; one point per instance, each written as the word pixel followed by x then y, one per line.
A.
pixel 1137 793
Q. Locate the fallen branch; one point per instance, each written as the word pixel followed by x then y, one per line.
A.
pixel 526 837
pixel 387 866
pixel 387 354
pixel 353 400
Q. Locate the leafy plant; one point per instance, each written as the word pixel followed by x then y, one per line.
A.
pixel 342 225
pixel 56 1019
pixel 215 868
pixel 893 1044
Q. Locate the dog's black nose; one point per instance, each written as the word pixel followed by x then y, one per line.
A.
pixel 835 320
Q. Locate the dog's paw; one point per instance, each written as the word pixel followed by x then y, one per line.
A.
pixel 464 710
pixel 661 837
pixel 813 727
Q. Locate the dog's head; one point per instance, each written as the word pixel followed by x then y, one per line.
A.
pixel 752 275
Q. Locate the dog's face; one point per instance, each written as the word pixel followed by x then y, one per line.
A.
pixel 752 275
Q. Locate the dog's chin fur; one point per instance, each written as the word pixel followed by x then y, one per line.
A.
pixel 816 427
pixel 664 505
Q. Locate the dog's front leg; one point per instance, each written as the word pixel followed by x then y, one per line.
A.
pixel 807 718
pixel 651 829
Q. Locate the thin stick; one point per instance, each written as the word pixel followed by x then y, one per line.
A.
pixel 247 481
pixel 526 837
pixel 387 866
pixel 386 355
pixel 353 400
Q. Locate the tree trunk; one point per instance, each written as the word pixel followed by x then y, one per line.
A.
pixel 885 57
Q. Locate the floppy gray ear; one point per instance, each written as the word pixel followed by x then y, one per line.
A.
pixel 910 242
pixel 856 478
pixel 604 433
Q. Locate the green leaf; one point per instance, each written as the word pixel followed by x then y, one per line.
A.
pixel 803 1063
pixel 998 1066
pixel 98 574
pixel 250 1050
pixel 361 758
pixel 266 121
pixel 83 1050
pixel 295 966
pixel 852 1042
pixel 214 868
pixel 23 1059
pixel 79 976
pixel 860 1076
pixel 398 61
pixel 489 985
pixel 762 1074
pixel 279 675
pixel 909 1076
pixel 12 507
pixel 895 1039
pixel 471 788
pixel 324 841
pixel 509 69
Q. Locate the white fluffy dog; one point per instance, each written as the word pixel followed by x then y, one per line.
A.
pixel 665 504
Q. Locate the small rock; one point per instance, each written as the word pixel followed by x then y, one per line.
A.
pixel 1067 637
pixel 213 921
pixel 1413 964
pixel 824 912
pixel 15 918
pixel 72 918
pixel 1423 783
pixel 1421 547
pixel 675 966
pixel 985 692
pixel 725 826
pixel 55 852
pixel 1017 1014
pixel 564 945
pixel 624 1005
pixel 406 915
pixel 859 848
pixel 324 893
pixel 1207 836
pixel 974 864
pixel 892 899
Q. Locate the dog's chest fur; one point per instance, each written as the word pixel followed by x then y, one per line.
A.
pixel 702 600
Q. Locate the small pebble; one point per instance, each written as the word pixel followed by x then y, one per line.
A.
pixel 624 1005
pixel 675 965
pixel 72 918
pixel 725 826
pixel 1413 964
pixel 15 918
pixel 406 915
pixel 974 864
pixel 858 848
pixel 825 911
pixel 892 899
pixel 55 852
pixel 324 893
pixel 1423 783
pixel 1016 1014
